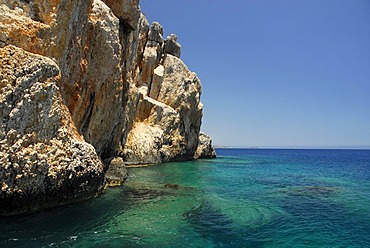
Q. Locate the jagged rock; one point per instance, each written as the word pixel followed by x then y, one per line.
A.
pixel 95 87
pixel 44 160
pixel 99 81
pixel 205 148
pixel 152 54
pixel 149 62
pixel 171 46
pixel 157 81
pixel 80 36
pixel 121 89
pixel 167 128
pixel 156 33
pixel 128 11
pixel 179 81
pixel 155 136
pixel 102 64
pixel 133 44
pixel 143 144
pixel 117 173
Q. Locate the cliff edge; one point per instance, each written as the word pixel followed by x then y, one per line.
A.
pixel 85 81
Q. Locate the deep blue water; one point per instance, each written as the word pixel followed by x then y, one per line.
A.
pixel 244 198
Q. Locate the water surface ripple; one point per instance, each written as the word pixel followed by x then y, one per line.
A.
pixel 244 198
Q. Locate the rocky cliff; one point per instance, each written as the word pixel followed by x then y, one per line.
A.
pixel 85 81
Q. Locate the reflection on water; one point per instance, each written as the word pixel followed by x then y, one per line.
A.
pixel 244 198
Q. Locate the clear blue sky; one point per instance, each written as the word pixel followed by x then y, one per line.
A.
pixel 277 73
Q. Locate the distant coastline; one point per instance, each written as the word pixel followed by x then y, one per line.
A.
pixel 290 148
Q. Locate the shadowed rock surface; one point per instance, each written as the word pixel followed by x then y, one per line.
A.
pixel 171 46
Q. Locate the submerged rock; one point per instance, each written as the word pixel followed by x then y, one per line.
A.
pixel 313 191
pixel 172 186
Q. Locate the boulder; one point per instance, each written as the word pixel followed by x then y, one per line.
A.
pixel 205 148
pixel 116 174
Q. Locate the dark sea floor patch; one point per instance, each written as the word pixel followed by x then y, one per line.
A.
pixel 223 232
pixel 311 191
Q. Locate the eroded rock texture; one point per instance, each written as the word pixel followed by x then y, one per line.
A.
pixel 205 148
pixel 43 160
pixel 102 75
pixel 169 114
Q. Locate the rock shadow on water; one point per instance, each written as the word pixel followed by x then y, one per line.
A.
pixel 58 224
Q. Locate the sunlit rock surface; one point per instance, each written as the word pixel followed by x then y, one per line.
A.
pixel 43 160
pixel 84 81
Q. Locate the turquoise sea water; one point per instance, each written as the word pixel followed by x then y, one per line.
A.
pixel 244 198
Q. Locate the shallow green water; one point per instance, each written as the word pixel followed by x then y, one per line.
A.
pixel 244 198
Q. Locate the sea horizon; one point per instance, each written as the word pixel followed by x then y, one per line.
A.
pixel 292 147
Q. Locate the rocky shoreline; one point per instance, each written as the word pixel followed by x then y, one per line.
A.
pixel 83 82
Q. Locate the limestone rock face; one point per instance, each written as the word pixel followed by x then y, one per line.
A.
pixel 169 118
pixel 126 10
pixel 18 28
pixel 87 71
pixel 185 85
pixel 38 10
pixel 155 136
pixel 44 160
pixel 79 35
pixel 152 54
pixel 107 52
pixel 92 82
pixel 205 148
